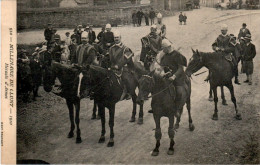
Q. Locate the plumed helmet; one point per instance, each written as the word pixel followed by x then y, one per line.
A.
pixel 117 34
pixel 108 26
pixel 159 15
pixel 224 27
pixel 166 43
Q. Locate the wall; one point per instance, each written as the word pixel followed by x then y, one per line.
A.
pixel 70 17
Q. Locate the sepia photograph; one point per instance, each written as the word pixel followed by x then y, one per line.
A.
pixel 130 82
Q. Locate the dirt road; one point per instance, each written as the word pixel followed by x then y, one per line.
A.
pixel 43 125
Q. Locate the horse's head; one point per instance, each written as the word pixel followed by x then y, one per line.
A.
pixel 194 64
pixel 146 82
pixel 49 77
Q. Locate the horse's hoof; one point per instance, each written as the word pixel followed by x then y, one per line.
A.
pixel 215 117
pixel 224 102
pixel 98 117
pixel 93 117
pixel 101 139
pixel 132 120
pixel 78 140
pixel 211 99
pixel 192 127
pixel 176 126
pixel 170 152
pixel 70 135
pixel 238 116
pixel 110 144
pixel 155 153
pixel 140 121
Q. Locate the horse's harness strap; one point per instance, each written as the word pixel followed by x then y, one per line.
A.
pixel 160 91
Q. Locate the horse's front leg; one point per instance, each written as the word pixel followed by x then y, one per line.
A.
pixel 188 105
pixel 94 116
pixel 210 95
pixel 233 98
pixel 215 115
pixel 77 120
pixel 134 108
pixel 224 102
pixel 141 114
pixel 158 134
pixel 111 125
pixel 71 115
pixel 171 134
pixel 101 110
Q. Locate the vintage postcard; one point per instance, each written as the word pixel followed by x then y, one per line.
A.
pixel 130 82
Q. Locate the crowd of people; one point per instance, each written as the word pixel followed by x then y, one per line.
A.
pixel 137 17
pixel 83 47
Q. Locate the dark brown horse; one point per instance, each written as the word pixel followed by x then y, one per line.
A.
pixel 164 103
pixel 107 89
pixel 68 78
pixel 221 74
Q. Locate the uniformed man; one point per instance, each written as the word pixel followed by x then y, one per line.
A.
pixel 121 56
pixel 86 53
pixel 108 38
pixel 48 33
pixel 222 44
pixel 56 52
pixel 243 31
pixel 161 28
pixel 248 55
pixel 151 45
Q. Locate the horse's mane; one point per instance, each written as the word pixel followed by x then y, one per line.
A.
pixel 212 55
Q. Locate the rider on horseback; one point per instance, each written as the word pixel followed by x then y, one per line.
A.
pixel 121 62
pixel 151 45
pixel 223 44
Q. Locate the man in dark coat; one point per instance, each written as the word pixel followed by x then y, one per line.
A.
pixel 76 36
pixel 100 34
pixel 152 15
pixel 248 55
pixel 243 31
pixel 47 56
pixel 108 38
pixel 146 17
pixel 180 18
pixel 184 18
pixel 134 18
pixel 73 48
pixel 56 53
pixel 140 15
pixel 48 32
pixel 92 35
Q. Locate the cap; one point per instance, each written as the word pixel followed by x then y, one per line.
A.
pixel 67 33
pixel 244 24
pixel 159 15
pixel 108 26
pixel 166 43
pixel 153 26
pixel 37 49
pixel 84 34
pixel 224 27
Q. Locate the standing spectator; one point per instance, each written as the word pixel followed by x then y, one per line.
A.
pixel 243 31
pixel 152 16
pixel 56 53
pixel 73 48
pixel 140 15
pixel 48 32
pixel 180 18
pixel 146 17
pixel 67 39
pixel 64 52
pixel 92 35
pixel 184 18
pixel 134 18
pixel 100 34
pixel 108 39
pixel 76 36
pixel 248 55
pixel 79 31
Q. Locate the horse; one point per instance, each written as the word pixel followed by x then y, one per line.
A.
pixel 164 103
pixel 107 89
pixel 221 74
pixel 68 77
